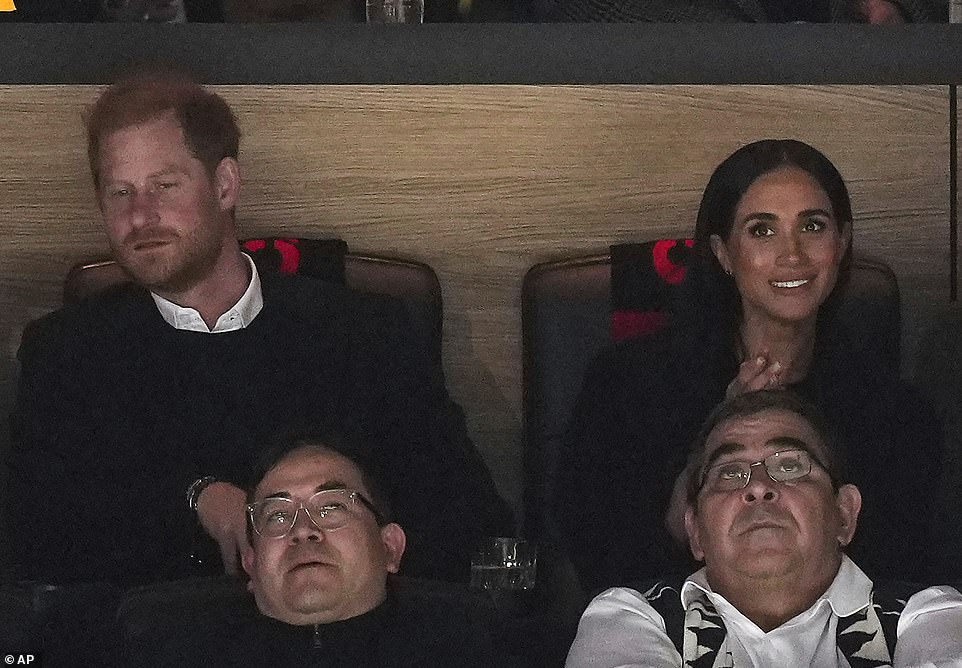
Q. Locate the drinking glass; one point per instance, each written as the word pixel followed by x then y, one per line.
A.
pixel 395 11
pixel 504 564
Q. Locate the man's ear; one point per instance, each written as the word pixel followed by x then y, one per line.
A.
pixel 249 562
pixel 227 183
pixel 849 501
pixel 694 534
pixel 392 535
pixel 720 251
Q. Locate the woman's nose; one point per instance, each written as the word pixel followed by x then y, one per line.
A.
pixel 791 249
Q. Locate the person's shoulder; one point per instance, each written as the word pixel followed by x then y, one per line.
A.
pixel 928 628
pixel 91 319
pixel 620 627
pixel 631 598
pixel 920 601
pixel 309 298
pixel 666 356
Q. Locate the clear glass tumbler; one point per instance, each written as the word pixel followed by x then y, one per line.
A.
pixel 395 11
pixel 504 564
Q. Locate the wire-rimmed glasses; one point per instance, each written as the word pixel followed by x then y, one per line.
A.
pixel 328 509
pixel 781 466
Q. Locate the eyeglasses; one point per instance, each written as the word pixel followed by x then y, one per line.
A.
pixel 781 466
pixel 329 510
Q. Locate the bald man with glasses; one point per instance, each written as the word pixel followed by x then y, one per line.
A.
pixel 769 514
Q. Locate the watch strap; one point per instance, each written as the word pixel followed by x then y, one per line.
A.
pixel 195 489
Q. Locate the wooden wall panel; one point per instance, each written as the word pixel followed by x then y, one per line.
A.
pixel 484 181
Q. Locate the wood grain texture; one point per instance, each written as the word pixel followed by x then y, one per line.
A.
pixel 481 182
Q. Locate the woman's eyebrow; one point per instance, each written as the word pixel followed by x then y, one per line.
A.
pixel 816 212
pixel 759 215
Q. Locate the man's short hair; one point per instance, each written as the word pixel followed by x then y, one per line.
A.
pixel 210 127
pixel 752 403
pixel 286 444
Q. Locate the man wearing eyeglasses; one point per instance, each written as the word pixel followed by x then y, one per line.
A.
pixel 769 514
pixel 321 550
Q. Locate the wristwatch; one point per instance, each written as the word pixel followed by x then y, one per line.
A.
pixel 195 489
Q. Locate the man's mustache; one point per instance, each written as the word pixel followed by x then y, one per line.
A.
pixel 142 237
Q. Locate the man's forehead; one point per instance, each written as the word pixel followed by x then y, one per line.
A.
pixel 165 120
pixel 163 129
pixel 310 468
pixel 768 430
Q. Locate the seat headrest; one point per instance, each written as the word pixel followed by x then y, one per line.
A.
pixel 317 258
pixel 643 279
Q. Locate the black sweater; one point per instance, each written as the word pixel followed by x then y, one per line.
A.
pixel 396 634
pixel 117 412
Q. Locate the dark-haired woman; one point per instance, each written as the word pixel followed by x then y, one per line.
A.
pixel 773 241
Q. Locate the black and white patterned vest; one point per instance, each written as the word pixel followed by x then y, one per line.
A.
pixel 866 638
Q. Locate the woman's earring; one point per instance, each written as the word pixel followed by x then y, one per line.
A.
pixel 729 273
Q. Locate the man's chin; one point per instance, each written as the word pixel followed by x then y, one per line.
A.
pixel 310 598
pixel 767 562
pixel 160 276
pixel 299 607
pixel 150 269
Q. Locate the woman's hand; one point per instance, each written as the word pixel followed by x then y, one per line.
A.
pixel 756 373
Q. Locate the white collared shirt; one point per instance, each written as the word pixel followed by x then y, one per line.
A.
pixel 238 316
pixel 620 628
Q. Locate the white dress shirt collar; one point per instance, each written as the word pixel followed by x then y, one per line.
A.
pixel 238 316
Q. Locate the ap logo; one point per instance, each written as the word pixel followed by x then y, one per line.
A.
pixel 7 6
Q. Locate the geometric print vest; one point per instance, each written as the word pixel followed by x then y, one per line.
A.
pixel 866 638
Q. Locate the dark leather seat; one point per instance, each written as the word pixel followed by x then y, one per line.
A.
pixel 62 626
